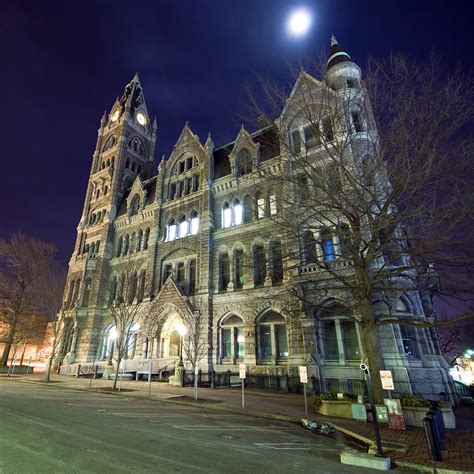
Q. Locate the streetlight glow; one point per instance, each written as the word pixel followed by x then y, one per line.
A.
pixel 181 328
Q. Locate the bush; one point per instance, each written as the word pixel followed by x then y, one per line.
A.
pixel 332 396
pixel 409 400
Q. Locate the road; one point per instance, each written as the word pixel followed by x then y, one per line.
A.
pixel 56 430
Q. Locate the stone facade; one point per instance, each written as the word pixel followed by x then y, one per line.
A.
pixel 203 227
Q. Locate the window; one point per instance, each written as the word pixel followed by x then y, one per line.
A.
pixel 135 205
pixel 110 143
pixel 141 286
pixel 224 271
pixel 356 122
pixel 260 205
pixel 139 240
pixel 108 342
pixel 183 227
pixel 132 336
pixel 172 191
pixel 187 185
pixel 192 277
pixel 340 339
pixel 146 237
pixel 180 276
pixel 238 212
pixel 311 136
pixel 133 242
pixel 113 290
pixel 239 278
pixel 296 141
pixel 189 163
pixel 259 265
pixel 277 263
pixel 327 245
pixel 232 339
pixel 344 235
pixel 132 287
pixel 248 209
pixel 273 204
pixel 226 216
pixel 350 83
pixel 119 246
pixel 87 292
pixel 303 187
pixel 327 129
pixel 170 230
pixel 309 249
pixel 166 272
pixel 402 306
pixel 194 223
pixel 137 146
pixel 409 342
pixel 127 245
pixel 195 183
pixel 244 162
pixel 272 338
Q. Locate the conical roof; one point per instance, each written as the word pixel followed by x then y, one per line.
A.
pixel 336 54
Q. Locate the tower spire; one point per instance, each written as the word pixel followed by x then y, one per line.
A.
pixel 336 54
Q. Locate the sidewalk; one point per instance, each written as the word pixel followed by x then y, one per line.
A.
pixel 459 443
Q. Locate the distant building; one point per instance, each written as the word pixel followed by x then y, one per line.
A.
pixel 204 228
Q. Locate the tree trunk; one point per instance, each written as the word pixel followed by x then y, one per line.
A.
pixel 9 342
pixel 116 374
pixel 47 374
pixel 372 353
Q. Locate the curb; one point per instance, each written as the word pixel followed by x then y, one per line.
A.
pixel 433 470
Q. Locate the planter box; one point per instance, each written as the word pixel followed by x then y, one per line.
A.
pixel 18 370
pixel 342 408
pixel 414 416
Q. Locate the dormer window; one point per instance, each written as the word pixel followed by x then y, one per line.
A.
pixel 351 83
pixel 312 136
pixel 135 205
pixel 184 164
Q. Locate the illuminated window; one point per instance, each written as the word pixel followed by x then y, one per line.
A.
pixel 273 204
pixel 171 231
pixel 238 212
pixel 226 216
pixel 194 223
pixel 272 338
pixel 244 162
pixel 183 227
pixel 260 271
pixel 260 205
pixel 224 271
pixel 232 340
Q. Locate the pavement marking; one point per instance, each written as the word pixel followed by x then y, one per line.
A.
pixel 131 414
pixel 293 446
pixel 226 428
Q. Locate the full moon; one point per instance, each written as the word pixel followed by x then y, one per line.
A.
pixel 299 22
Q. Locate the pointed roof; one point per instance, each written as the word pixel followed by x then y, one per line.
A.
pixel 336 54
pixel 186 136
pixel 132 96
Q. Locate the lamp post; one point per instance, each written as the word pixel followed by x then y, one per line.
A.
pixel 182 331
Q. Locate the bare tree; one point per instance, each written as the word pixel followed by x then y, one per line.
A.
pixel 374 192
pixel 22 260
pixel 126 290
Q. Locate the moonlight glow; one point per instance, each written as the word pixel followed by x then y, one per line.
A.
pixel 299 22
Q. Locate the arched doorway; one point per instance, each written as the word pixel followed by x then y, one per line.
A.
pixel 173 346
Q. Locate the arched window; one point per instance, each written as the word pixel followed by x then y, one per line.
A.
pixel 127 163
pixel 135 205
pixel 145 238
pixel 113 290
pixel 272 201
pixel 327 244
pixel 126 247
pixel 224 271
pixel 132 336
pixel 259 271
pixel 239 277
pixel 232 340
pixel 244 162
pixel 111 141
pixel 339 337
pixel 238 212
pixel 137 145
pixel 272 338
pixel 87 292
pixel 260 200
pixel 119 246
pixel 194 223
pixel 183 227
pixel 106 190
pixel 132 288
pixel 248 209
pixel 192 277
pixel 108 342
pixel 170 230
pixel 409 341
pixel 133 242
pixel 226 215
pixel 139 240
pixel 134 167
pixel 277 262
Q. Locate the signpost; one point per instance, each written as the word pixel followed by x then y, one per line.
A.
pixel 150 368
pixel 304 380
pixel 242 376
pixel 196 374
pixel 387 380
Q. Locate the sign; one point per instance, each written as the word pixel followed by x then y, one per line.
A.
pixel 196 370
pixel 242 371
pixel 303 374
pixel 359 412
pixel 396 420
pixel 387 380
pixel 382 413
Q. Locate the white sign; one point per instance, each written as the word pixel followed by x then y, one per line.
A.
pixel 387 380
pixel 196 370
pixel 242 371
pixel 303 374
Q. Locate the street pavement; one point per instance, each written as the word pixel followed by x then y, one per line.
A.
pixel 50 429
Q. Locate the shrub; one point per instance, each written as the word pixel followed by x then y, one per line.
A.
pixel 409 400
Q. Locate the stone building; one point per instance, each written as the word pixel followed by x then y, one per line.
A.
pixel 203 228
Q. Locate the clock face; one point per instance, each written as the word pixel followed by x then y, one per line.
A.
pixel 115 115
pixel 141 118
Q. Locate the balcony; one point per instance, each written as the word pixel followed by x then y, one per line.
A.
pixel 322 267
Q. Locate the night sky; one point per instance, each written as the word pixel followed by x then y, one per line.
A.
pixel 64 63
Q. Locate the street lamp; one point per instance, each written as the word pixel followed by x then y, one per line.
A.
pixel 182 331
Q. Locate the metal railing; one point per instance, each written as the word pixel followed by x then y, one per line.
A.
pixel 434 430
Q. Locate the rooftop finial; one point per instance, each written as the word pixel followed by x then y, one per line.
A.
pixel 333 40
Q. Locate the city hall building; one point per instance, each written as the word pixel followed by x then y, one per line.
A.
pixel 203 228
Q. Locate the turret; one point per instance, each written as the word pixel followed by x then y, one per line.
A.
pixel 341 71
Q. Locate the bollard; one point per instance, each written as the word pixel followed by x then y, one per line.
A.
pixel 433 445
